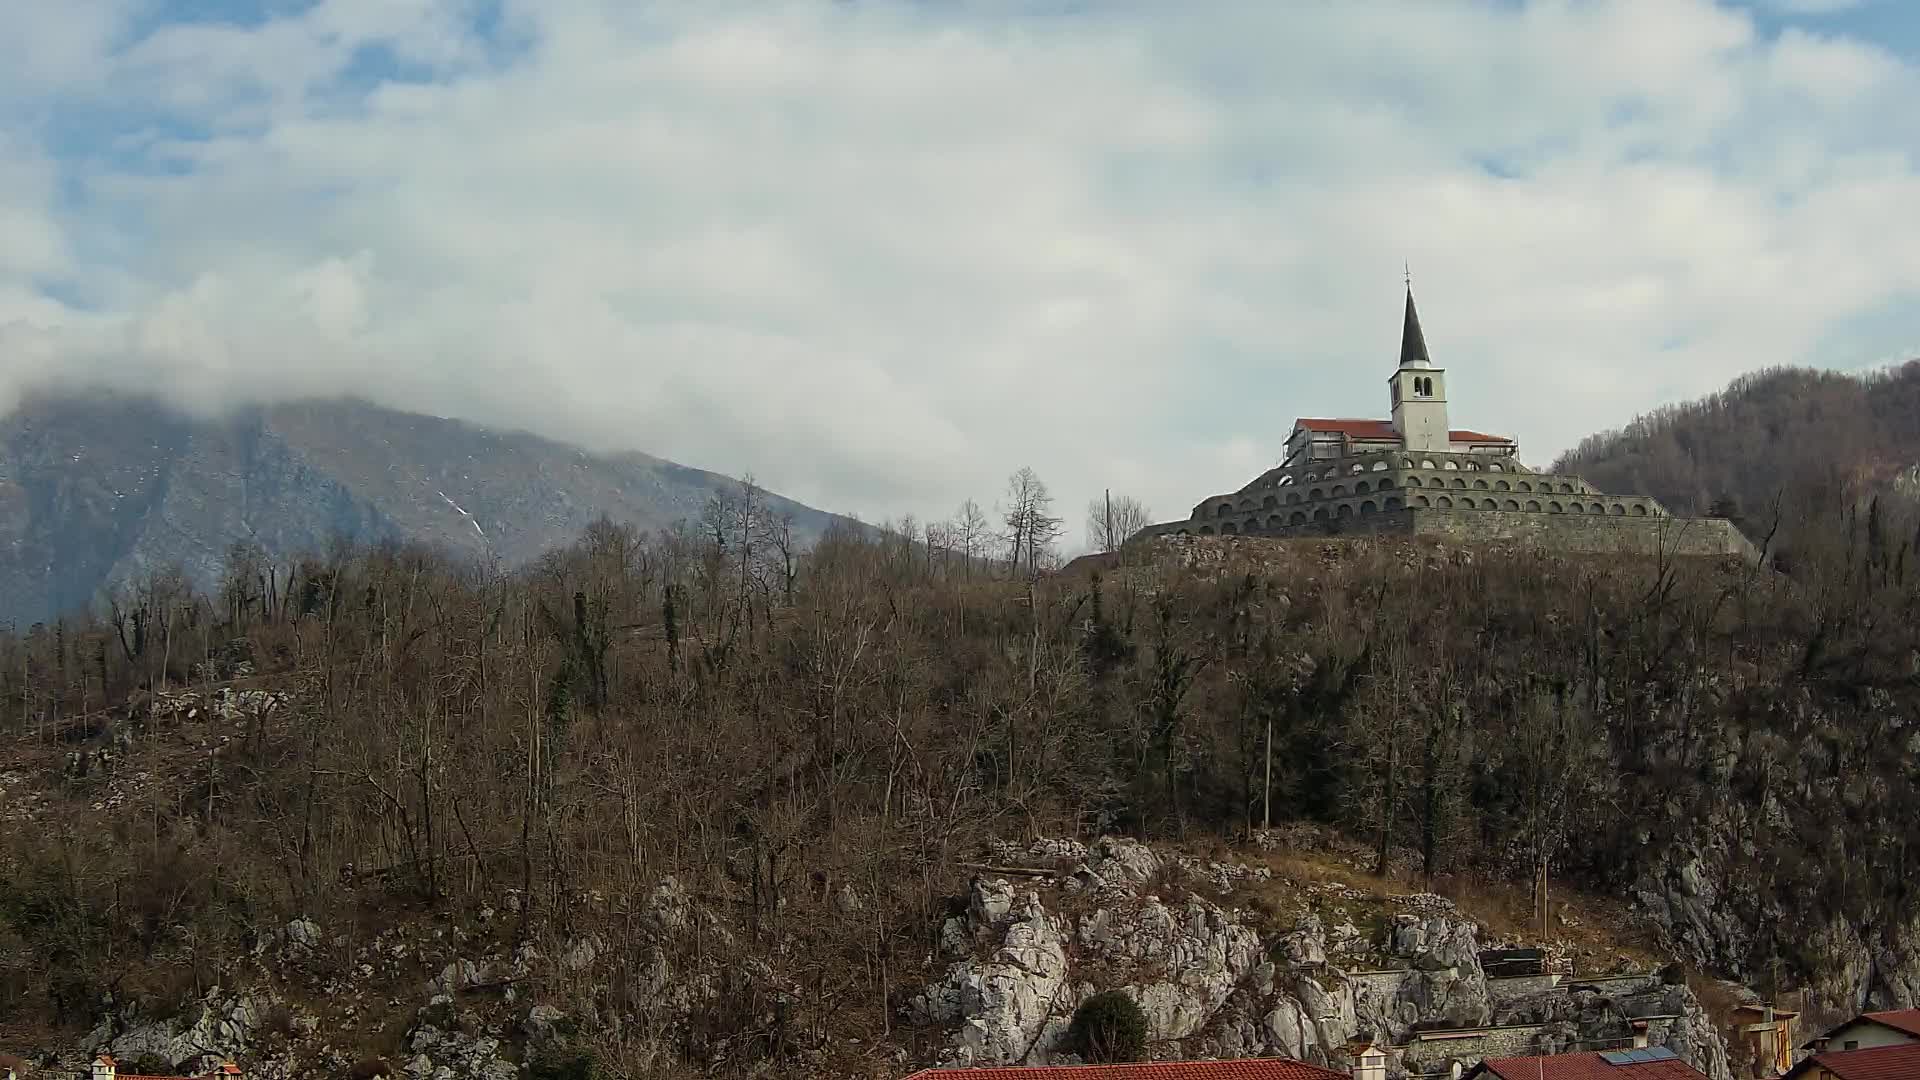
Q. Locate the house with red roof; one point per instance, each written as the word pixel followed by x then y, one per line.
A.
pixel 1869 1030
pixel 1413 472
pixel 1896 1061
pixel 105 1068
pixel 1648 1063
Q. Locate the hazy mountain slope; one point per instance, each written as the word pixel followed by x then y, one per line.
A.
pixel 101 488
pixel 1816 439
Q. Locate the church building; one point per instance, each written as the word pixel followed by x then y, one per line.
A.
pixel 1414 473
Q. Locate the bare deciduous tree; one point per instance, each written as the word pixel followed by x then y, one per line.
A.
pixel 1113 519
pixel 1031 527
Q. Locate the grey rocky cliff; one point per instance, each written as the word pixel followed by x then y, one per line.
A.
pixel 1212 984
pixel 1698 893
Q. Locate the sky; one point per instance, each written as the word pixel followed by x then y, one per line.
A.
pixel 880 253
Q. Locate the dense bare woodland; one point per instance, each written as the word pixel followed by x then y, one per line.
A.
pixel 782 731
pixel 1793 445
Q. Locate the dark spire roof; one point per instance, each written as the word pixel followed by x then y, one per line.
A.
pixel 1413 344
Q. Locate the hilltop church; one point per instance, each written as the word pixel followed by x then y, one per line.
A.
pixel 1414 473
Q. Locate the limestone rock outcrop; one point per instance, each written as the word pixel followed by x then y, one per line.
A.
pixel 1201 973
pixel 221 1025
pixel 1212 983
pixel 1007 1004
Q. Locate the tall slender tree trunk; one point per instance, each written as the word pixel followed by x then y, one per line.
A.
pixel 1391 797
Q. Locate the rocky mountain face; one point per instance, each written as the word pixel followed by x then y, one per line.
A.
pixel 99 490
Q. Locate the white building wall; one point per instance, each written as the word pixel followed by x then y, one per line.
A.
pixel 1868 1036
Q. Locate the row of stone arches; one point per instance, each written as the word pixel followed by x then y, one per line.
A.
pixel 1385 483
pixel 1482 484
pixel 1284 519
pixel 1535 506
pixel 1382 464
pixel 1303 516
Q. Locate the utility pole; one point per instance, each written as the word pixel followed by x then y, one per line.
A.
pixel 1542 891
pixel 1266 796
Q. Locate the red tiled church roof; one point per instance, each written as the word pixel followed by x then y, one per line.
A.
pixel 1383 430
pixel 1588 1066
pixel 1901 1062
pixel 1247 1069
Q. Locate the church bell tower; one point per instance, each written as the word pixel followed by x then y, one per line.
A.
pixel 1419 391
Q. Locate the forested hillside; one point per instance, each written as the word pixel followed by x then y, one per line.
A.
pixel 812 751
pixel 1789 444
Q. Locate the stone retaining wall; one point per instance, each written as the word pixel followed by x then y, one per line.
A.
pixel 1504 989
pixel 1427 1050
pixel 1586 533
pixel 1379 985
pixel 1582 533
pixel 1617 985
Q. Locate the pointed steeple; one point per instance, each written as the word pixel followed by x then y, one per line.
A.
pixel 1413 344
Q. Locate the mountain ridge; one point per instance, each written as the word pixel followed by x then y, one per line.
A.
pixel 101 489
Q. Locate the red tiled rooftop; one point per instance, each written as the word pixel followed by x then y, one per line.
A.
pixel 1247 1069
pixel 1383 429
pixel 1907 1020
pixel 1589 1066
pixel 227 1070
pixel 1900 1062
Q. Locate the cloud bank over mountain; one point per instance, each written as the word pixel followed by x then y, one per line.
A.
pixel 880 253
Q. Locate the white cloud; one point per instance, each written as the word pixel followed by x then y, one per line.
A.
pixel 1813 7
pixel 880 254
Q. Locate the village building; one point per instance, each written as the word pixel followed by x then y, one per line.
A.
pixel 106 1068
pixel 1642 1063
pixel 1869 1030
pixel 1414 473
pixel 1899 1061
pixel 1767 1033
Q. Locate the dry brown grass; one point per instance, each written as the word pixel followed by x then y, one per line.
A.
pixel 1595 930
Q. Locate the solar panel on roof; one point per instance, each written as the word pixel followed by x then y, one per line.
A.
pixel 1617 1057
pixel 1660 1053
